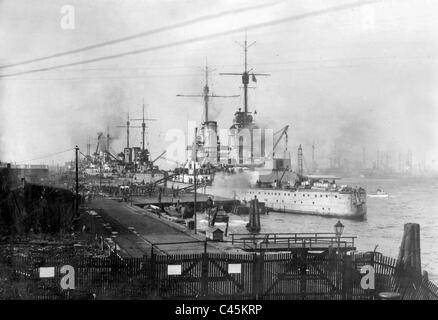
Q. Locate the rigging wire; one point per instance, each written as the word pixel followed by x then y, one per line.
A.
pixel 199 38
pixel 46 156
pixel 282 70
pixel 347 64
pixel 141 34
pixel 83 155
pixel 259 63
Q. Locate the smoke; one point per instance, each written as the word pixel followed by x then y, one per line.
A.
pixel 100 113
pixel 224 184
pixel 213 111
pixel 355 135
pixel 238 180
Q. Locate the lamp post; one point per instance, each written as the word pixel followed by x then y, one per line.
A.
pixel 339 228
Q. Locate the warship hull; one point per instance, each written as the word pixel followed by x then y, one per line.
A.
pixel 300 201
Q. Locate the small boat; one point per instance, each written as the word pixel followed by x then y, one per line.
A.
pixel 379 194
pixel 173 211
pixel 153 209
pixel 217 215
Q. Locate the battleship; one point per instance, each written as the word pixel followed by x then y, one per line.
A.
pixel 134 164
pixel 267 176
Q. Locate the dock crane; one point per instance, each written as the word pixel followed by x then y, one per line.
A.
pixel 112 155
pixel 161 154
pixel 99 136
pixel 282 175
pixel 282 132
pixel 96 153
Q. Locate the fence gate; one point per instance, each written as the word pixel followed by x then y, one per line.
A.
pixel 177 276
pixel 230 276
pixel 301 276
pixel 207 276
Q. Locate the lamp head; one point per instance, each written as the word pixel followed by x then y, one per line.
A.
pixel 339 228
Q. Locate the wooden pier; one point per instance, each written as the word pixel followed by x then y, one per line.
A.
pixel 290 242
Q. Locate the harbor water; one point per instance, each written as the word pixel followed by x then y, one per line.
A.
pixel 410 200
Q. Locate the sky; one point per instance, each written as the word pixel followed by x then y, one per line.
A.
pixel 358 74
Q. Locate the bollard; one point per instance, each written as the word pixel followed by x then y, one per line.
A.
pixel 389 296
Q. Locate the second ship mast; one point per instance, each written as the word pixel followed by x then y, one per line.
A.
pixel 245 79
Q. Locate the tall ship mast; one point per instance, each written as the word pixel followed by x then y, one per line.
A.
pixel 244 120
pixel 207 149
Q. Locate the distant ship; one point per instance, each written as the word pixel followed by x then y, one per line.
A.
pixel 266 176
pixel 379 194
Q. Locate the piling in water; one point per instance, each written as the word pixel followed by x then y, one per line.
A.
pixel 254 216
pixel 410 253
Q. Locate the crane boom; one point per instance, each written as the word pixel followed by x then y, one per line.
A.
pixel 161 154
pixel 282 132
pixel 111 155
pixel 99 135
pixel 284 171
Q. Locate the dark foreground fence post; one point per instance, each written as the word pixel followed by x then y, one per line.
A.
pixel 257 275
pixel 410 252
pixel 347 277
pixel 409 259
pixel 425 281
pixel 303 273
pixel 204 270
pixel 152 271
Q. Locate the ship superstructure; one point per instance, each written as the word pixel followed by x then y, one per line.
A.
pixel 206 146
pixel 133 163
